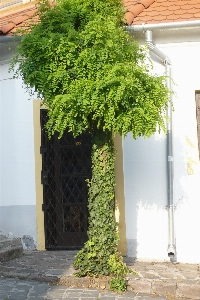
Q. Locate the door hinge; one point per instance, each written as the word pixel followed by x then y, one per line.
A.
pixel 45 207
pixel 42 150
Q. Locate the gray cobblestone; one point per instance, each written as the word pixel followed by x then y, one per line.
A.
pixel 41 271
pixel 12 289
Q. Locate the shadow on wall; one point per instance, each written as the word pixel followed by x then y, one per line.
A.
pixel 145 177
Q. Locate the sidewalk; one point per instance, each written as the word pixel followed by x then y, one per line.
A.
pixel 56 267
pixel 15 289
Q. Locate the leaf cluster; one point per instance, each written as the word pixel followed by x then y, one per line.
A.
pixel 89 71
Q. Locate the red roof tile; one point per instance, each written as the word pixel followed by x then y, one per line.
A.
pixel 9 23
pixel 134 8
pixel 168 11
pixel 137 12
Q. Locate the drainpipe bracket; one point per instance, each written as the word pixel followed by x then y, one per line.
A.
pixel 170 206
pixel 171 250
pixel 167 62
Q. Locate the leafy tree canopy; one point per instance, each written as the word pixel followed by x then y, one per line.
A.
pixel 90 72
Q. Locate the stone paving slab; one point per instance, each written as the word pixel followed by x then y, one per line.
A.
pixel 15 289
pixel 56 267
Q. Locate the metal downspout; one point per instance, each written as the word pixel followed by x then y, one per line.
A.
pixel 165 60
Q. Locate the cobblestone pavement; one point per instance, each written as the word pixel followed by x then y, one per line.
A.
pixel 152 278
pixel 15 289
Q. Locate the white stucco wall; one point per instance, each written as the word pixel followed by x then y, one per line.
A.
pixel 17 166
pixel 145 170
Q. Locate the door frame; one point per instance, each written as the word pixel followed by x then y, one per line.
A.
pixel 40 229
pixel 119 188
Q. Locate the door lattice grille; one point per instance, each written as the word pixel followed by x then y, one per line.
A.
pixel 66 164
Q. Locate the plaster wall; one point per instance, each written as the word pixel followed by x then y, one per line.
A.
pixel 145 175
pixel 17 165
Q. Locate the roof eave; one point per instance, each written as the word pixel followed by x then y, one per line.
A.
pixel 170 25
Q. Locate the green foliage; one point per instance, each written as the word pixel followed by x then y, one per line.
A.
pixel 102 233
pixel 99 255
pixel 118 284
pixel 89 71
pixel 92 76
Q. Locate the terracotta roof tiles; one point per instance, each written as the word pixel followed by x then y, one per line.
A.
pixel 168 11
pixel 9 23
pixel 134 8
pixel 137 12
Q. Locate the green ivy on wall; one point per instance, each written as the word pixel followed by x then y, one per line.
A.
pixel 99 255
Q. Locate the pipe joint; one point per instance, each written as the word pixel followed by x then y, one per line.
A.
pixel 149 40
pixel 150 45
pixel 167 61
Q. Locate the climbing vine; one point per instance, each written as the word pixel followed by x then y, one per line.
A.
pixel 92 76
pixel 99 255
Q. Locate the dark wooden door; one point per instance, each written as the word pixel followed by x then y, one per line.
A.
pixel 66 165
